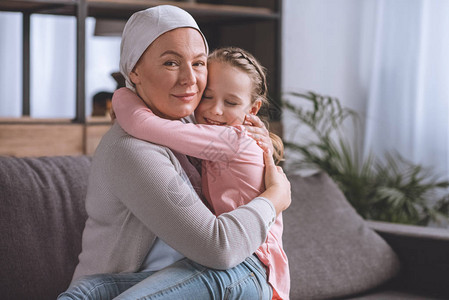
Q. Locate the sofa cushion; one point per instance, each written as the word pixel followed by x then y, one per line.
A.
pixel 42 216
pixel 332 252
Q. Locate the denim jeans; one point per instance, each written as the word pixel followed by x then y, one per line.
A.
pixel 184 279
pixel 102 286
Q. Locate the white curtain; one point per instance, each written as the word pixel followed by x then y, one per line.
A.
pixel 52 91
pixel 408 102
pixel 386 59
pixel 11 64
pixel 53 65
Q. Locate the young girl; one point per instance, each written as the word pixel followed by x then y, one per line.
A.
pixel 232 162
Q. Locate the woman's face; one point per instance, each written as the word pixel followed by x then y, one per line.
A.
pixel 227 98
pixel 171 74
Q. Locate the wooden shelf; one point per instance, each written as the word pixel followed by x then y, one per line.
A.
pixel 29 120
pixel 42 137
pixel 123 9
pixel 201 11
pixel 39 6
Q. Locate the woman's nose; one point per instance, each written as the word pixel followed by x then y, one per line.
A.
pixel 187 76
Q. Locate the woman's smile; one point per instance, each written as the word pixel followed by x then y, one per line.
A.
pixel 185 97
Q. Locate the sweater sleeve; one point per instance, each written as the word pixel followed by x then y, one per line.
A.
pixel 207 142
pixel 154 187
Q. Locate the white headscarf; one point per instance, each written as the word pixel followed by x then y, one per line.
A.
pixel 145 26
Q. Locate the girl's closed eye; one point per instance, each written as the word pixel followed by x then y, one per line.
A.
pixel 231 103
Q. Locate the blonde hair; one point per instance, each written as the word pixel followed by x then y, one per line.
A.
pixel 247 63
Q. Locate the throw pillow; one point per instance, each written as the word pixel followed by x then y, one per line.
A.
pixel 332 252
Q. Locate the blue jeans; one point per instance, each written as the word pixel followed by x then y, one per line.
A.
pixel 184 279
pixel 102 286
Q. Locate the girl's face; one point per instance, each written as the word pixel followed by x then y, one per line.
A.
pixel 171 74
pixel 227 98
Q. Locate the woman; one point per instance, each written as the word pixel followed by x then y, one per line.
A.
pixel 143 201
pixel 232 169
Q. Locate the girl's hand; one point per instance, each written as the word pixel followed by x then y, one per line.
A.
pixel 257 130
pixel 278 189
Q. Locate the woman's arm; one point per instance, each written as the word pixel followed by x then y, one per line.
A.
pixel 150 185
pixel 207 142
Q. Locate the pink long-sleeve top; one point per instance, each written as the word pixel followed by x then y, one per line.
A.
pixel 232 169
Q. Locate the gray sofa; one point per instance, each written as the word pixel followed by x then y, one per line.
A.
pixel 333 253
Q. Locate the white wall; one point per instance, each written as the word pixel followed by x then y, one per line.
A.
pixel 322 42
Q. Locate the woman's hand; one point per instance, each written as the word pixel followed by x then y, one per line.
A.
pixel 257 130
pixel 278 189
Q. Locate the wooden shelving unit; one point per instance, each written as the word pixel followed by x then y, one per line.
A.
pixel 123 9
pixel 255 26
pixel 44 137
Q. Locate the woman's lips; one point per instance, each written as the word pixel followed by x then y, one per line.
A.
pixel 186 97
pixel 212 122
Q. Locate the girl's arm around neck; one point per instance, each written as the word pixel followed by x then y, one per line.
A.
pixel 207 142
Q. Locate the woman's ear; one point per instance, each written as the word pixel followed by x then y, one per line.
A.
pixel 255 107
pixel 134 76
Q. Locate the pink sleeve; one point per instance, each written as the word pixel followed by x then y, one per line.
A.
pixel 207 142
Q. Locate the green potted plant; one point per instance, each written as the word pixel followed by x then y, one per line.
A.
pixel 387 188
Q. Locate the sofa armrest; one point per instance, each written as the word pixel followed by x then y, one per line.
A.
pixel 423 253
